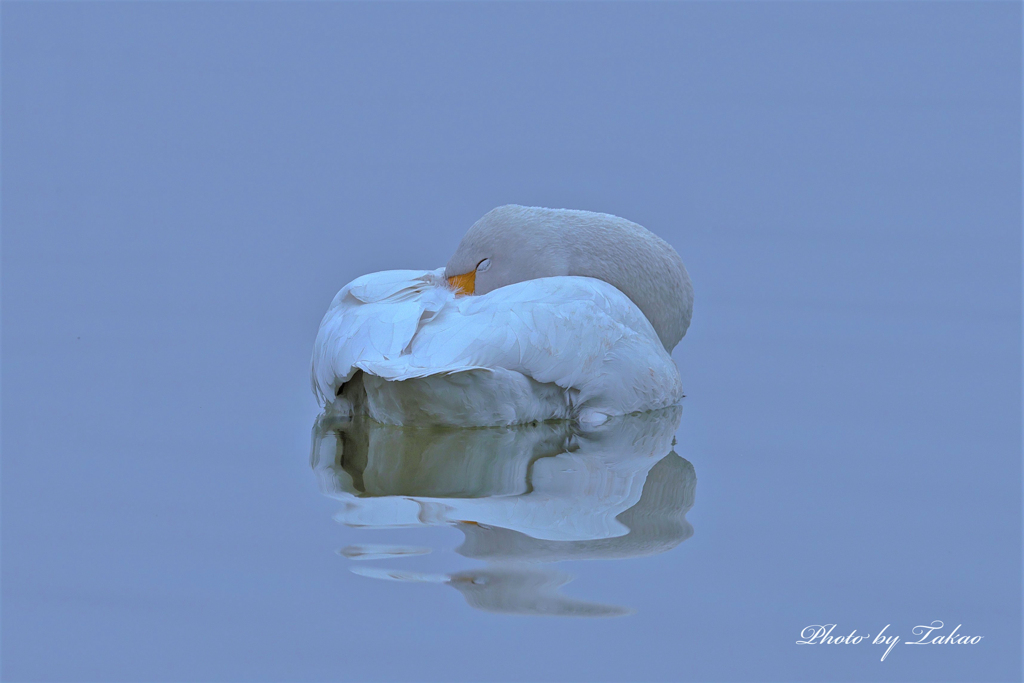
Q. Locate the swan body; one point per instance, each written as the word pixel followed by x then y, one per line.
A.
pixel 572 315
pixel 400 347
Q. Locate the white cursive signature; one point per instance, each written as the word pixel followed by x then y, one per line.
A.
pixel 821 634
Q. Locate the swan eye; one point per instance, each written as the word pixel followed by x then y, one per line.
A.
pixel 483 265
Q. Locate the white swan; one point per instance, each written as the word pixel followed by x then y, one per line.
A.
pixel 571 315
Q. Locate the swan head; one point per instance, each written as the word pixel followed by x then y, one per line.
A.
pixel 505 247
pixel 516 243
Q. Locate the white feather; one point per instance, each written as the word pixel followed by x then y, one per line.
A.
pixel 554 347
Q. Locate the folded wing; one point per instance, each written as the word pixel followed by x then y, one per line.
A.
pixel 547 348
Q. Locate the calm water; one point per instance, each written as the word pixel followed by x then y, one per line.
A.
pixel 186 186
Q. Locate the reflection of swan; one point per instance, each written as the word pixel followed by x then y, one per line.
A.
pixel 520 495
pixel 573 316
pixel 656 523
pixel 508 588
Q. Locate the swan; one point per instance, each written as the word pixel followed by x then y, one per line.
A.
pixel 540 314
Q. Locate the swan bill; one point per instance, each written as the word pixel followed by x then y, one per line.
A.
pixel 463 284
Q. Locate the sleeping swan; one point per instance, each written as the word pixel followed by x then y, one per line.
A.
pixel 540 314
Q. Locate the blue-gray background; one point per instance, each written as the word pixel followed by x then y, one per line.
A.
pixel 186 185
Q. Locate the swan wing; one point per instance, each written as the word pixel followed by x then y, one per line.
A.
pixel 373 318
pixel 578 334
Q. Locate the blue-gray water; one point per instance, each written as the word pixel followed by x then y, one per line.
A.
pixel 186 185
